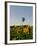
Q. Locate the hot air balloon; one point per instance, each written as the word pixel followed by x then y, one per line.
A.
pixel 23 19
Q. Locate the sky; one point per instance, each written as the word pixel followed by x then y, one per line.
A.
pixel 17 12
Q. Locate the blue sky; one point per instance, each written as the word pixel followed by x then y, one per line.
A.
pixel 17 12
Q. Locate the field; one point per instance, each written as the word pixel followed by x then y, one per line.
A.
pixel 21 32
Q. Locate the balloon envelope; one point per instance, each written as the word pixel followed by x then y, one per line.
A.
pixel 23 19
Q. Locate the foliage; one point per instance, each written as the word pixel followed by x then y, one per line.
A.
pixel 19 34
